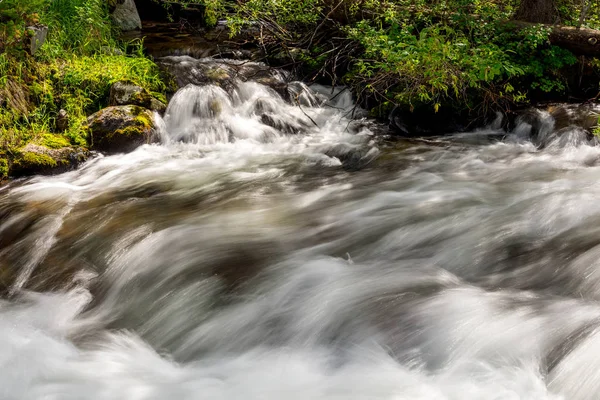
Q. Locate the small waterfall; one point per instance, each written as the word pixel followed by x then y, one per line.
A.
pixel 254 112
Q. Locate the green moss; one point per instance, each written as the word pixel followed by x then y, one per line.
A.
pixel 137 110
pixel 161 96
pixel 31 160
pixel 3 168
pixel 143 121
pixel 53 141
pixel 129 131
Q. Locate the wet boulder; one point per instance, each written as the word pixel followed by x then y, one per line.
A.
pixel 224 73
pixel 584 116
pixel 288 126
pixel 548 124
pixel 121 129
pixel 289 56
pixel 34 159
pixel 126 93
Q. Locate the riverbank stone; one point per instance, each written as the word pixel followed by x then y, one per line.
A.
pixel 121 129
pixel 584 115
pixel 34 159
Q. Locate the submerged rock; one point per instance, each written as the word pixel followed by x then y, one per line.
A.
pixel 584 116
pixel 126 93
pixel 36 159
pixel 557 125
pixel 125 16
pixel 121 129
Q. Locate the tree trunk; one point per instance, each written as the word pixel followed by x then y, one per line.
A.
pixel 538 11
pixel 584 42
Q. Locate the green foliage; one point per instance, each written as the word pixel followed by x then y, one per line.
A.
pixel 80 86
pixel 213 9
pixel 75 26
pixel 85 23
pixel 596 130
pixel 458 53
pixel 289 13
pixel 479 61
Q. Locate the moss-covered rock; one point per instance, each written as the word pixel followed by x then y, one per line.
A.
pixel 34 159
pixel 126 93
pixel 121 129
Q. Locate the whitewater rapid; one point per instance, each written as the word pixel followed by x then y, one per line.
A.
pixel 277 245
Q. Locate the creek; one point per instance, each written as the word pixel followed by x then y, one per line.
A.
pixel 282 245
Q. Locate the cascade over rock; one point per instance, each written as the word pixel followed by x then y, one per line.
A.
pixel 224 72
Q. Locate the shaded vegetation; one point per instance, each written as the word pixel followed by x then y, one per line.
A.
pixel 420 53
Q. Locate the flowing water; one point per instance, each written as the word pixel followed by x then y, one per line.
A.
pixel 286 250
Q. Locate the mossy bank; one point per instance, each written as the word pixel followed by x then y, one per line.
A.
pixel 46 95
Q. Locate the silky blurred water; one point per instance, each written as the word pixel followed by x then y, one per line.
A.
pixel 270 249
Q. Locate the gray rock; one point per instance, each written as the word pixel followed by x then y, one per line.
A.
pixel 289 55
pixel 37 37
pixel 126 17
pixel 62 121
pixel 120 129
pixel 126 93
pixel 157 105
pixel 113 51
